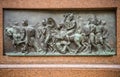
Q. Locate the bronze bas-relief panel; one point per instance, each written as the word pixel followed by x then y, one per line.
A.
pixel 58 33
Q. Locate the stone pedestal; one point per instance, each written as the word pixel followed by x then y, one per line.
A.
pixel 60 66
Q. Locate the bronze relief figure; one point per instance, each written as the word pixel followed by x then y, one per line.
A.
pixel 68 33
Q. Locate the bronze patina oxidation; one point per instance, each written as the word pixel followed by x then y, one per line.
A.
pixel 55 33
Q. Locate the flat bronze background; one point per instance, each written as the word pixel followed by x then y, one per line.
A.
pixel 60 4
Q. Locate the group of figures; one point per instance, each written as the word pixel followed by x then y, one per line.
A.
pixel 71 35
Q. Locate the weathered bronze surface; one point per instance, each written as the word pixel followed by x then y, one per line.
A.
pixel 50 33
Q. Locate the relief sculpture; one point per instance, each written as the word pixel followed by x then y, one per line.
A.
pixel 74 35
